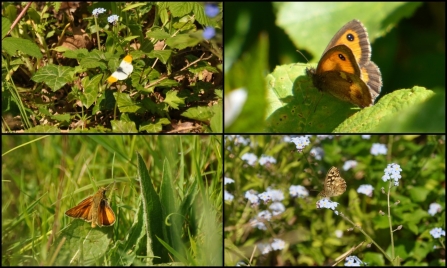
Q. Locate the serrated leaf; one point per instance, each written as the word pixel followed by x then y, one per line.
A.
pixel 198 113
pixel 54 76
pixel 182 41
pixel 196 70
pixel 179 9
pixel 158 34
pixel 154 127
pixel 90 90
pixel 155 108
pixel 126 104
pixel 173 100
pixel 93 59
pixel 12 44
pixel 162 55
pixel 391 106
pixel 201 17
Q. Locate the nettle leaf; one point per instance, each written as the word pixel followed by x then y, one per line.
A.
pixel 179 9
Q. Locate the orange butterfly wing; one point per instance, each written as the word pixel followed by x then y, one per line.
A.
pixel 106 216
pixel 83 210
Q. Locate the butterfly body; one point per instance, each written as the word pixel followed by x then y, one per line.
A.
pixel 345 69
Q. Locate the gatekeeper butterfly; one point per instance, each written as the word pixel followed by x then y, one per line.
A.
pixel 345 69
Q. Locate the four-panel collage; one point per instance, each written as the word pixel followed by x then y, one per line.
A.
pixel 177 134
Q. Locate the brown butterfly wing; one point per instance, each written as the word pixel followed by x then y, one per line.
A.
pixel 334 184
pixel 353 34
pixel 338 58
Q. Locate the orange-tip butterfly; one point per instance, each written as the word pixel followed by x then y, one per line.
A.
pixel 123 70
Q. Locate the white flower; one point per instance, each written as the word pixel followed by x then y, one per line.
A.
pixel 277 208
pixel 434 208
pixel 298 191
pixel 365 189
pixel 250 158
pixel 228 180
pixel 266 159
pixel 349 164
pixel 278 244
pixel 437 232
pixel 228 196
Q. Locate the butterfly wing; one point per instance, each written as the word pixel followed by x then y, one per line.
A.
pixel 83 210
pixel 106 216
pixel 334 184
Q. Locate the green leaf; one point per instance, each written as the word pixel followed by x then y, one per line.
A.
pixel 90 90
pixel 173 100
pixel 198 113
pixel 153 211
pixel 392 108
pixel 123 127
pixel 182 41
pixel 154 127
pixel 26 47
pixel 62 118
pixel 415 110
pixel 126 104
pixel 179 9
pixel 54 76
pixel 313 34
pixel 162 55
pixel 217 119
pixel 295 105
pixel 83 245
pixel 158 34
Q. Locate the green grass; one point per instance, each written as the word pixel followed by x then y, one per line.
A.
pixel 172 215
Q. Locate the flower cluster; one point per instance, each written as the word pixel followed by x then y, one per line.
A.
pixel 392 172
pixel 301 143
